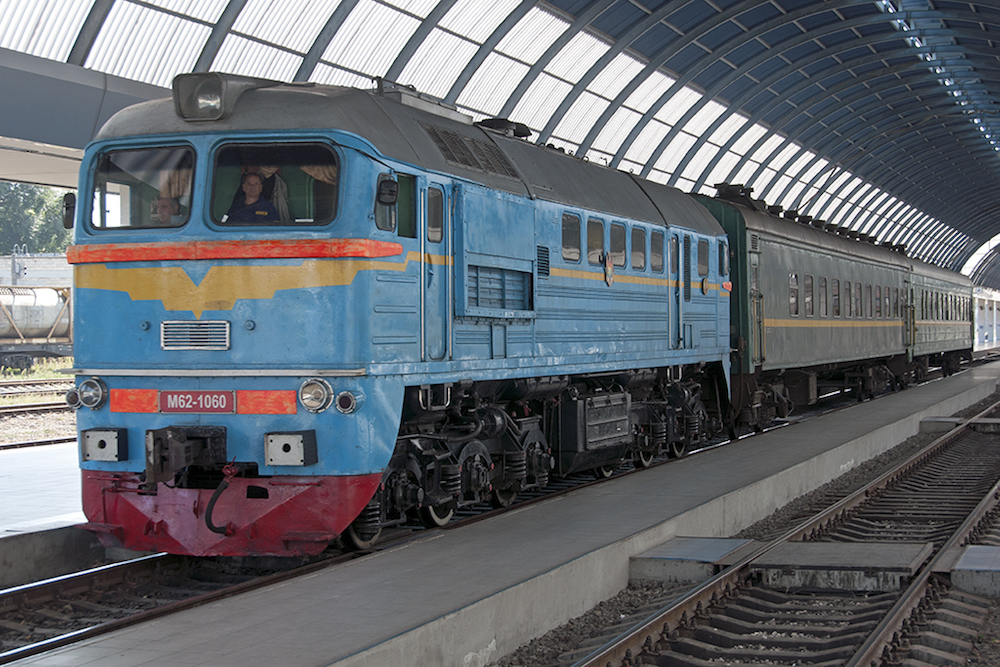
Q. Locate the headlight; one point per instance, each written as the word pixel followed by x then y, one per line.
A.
pixel 315 394
pixel 73 399
pixel 347 402
pixel 92 393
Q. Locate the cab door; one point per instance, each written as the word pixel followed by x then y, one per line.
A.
pixel 435 279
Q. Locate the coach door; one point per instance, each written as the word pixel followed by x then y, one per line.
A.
pixel 435 244
pixel 756 311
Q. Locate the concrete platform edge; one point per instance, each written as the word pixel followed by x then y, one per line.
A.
pixel 28 557
pixel 491 628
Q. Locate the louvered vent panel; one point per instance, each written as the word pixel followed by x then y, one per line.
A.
pixel 471 153
pixel 501 289
pixel 543 261
pixel 187 335
pixel 754 243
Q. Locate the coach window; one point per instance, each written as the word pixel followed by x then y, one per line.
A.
pixel 703 258
pixel 859 311
pixel 595 241
pixel 618 244
pixel 895 302
pixel 835 296
pixel 638 249
pixel 821 295
pixel 570 238
pixel 847 298
pixel 878 301
pixel 435 215
pixel 793 293
pixel 656 251
pixel 278 184
pixel 807 294
pixel 143 188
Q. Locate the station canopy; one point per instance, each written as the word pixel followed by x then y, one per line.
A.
pixel 880 116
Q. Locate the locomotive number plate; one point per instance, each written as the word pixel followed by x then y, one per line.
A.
pixel 213 402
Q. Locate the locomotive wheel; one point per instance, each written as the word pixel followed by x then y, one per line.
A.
pixel 357 542
pixel 503 497
pixel 603 472
pixel 677 449
pixel 642 458
pixel 435 517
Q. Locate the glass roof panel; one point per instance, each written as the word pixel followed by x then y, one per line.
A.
pixel 532 35
pixel 203 10
pixel 649 91
pixel 574 59
pixel 697 165
pixel 336 76
pixel 239 55
pixel 615 76
pixel 732 125
pixel 43 28
pixel 751 134
pixel 745 172
pixel 649 138
pixel 370 38
pixel 146 45
pixel 292 24
pixel 437 62
pixel 617 128
pixel 540 101
pixel 580 117
pixel 721 170
pixel 678 105
pixel 704 117
pixel 476 19
pixel 419 8
pixel 492 83
pixel 670 159
pixel 793 192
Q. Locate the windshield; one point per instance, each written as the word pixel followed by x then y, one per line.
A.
pixel 143 188
pixel 275 184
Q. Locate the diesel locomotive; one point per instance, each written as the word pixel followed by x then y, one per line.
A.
pixel 309 312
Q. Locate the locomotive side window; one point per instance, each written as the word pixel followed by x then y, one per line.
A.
pixel 275 184
pixel 618 244
pixel 570 238
pixel 406 206
pixel 143 188
pixel 638 249
pixel 595 241
pixel 793 293
pixel 656 251
pixel 723 259
pixel 835 294
pixel 435 215
pixel 703 258
pixel 807 296
pixel 822 296
pixel 674 251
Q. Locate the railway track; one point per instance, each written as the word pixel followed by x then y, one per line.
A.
pixel 33 387
pixel 33 408
pixel 945 496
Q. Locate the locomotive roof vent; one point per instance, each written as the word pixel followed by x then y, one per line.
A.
pixel 508 128
pixel 804 219
pixel 775 209
pixel 411 97
pixel 732 191
pixel 212 95
pixel 791 214
pixel 818 224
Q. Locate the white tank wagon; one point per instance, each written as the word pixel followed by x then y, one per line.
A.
pixel 34 322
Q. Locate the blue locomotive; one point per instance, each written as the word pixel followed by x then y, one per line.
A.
pixel 307 312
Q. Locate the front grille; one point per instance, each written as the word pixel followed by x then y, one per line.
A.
pixel 207 335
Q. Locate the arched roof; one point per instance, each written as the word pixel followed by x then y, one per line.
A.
pixel 877 115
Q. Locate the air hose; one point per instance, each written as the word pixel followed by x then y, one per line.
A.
pixel 228 472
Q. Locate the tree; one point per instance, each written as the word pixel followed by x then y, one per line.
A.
pixel 31 216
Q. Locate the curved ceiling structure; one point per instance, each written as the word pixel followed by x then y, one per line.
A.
pixel 877 115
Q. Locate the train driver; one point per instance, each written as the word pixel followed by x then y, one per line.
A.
pixel 252 207
pixel 168 212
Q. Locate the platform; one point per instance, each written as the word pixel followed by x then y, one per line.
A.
pixel 469 596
